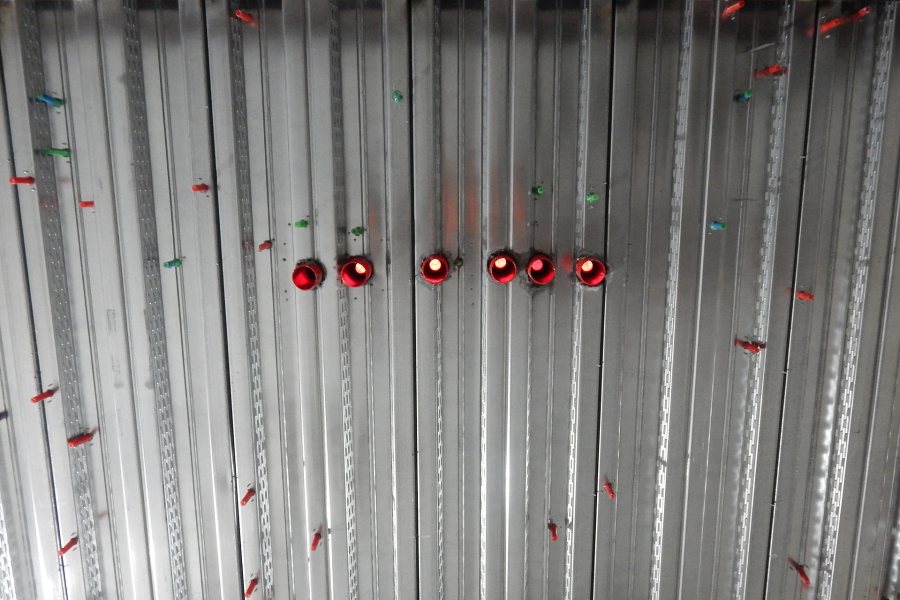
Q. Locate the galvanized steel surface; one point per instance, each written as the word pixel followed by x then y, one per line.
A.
pixel 718 420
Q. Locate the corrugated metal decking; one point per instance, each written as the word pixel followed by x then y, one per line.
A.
pixel 196 403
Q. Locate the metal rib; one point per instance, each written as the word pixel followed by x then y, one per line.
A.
pixel 248 270
pixel 155 319
pixel 674 258
pixel 54 257
pixel 763 302
pixel 856 306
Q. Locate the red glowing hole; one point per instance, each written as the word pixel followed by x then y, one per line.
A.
pixel 307 275
pixel 435 269
pixel 502 267
pixel 540 269
pixel 356 271
pixel 590 271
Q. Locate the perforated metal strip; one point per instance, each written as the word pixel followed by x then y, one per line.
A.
pixel 856 306
pixel 337 141
pixel 674 259
pixel 248 270
pixel 892 577
pixel 763 302
pixel 155 319
pixel 54 257
pixel 7 579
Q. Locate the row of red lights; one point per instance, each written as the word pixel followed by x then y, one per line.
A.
pixel 502 267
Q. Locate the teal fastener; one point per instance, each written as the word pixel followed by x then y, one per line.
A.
pixel 172 264
pixel 397 96
pixel 50 100
pixel 743 97
pixel 60 152
pixel 716 226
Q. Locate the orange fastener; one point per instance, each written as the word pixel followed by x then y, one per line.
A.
pixel 81 439
pixel 751 347
pixel 44 395
pixel 86 204
pixel 551 526
pixel 69 545
pixel 199 187
pixel 244 16
pixel 732 8
pixel 608 488
pixel 250 587
pixel 21 180
pixel 248 497
pixel 317 537
pixel 770 71
pixel 801 571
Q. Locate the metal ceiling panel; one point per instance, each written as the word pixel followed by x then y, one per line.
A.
pixel 178 419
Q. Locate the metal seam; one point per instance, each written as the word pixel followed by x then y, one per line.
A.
pixel 337 141
pixel 439 408
pixel 154 316
pixel 439 342
pixel 482 408
pixel 892 587
pixel 248 267
pixel 54 256
pixel 674 257
pixel 578 297
pixel 753 407
pixel 856 305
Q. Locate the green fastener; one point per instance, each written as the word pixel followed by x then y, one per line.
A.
pixel 592 197
pixel 357 231
pixel 172 264
pixel 538 190
pixel 397 96
pixel 301 224
pixel 744 96
pixel 61 152
pixel 50 100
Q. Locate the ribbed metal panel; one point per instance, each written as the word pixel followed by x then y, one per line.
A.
pixel 719 419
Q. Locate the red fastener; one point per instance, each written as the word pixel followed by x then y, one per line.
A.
pixel 750 346
pixel 86 204
pixel 865 10
pixel 69 545
pixel 551 527
pixel 801 571
pixel 833 24
pixel 244 16
pixel 540 269
pixel 590 271
pixel 81 439
pixel 248 497
pixel 805 296
pixel 608 488
pixel 317 537
pixel 251 586
pixel 48 393
pixel 307 275
pixel 732 8
pixel 356 271
pixel 266 245
pixel 21 180
pixel 435 269
pixel 199 187
pixel 770 71
pixel 502 267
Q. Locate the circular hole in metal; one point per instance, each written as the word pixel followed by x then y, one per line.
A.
pixel 356 271
pixel 590 271
pixel 502 267
pixel 307 275
pixel 540 269
pixel 435 269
